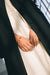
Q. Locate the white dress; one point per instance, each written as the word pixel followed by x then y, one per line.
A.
pixel 37 61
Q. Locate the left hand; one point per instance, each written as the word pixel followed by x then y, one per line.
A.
pixel 23 43
pixel 33 38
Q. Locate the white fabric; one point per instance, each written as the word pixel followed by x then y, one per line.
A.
pixel 37 61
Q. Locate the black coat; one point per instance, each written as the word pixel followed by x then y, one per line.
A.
pixel 8 46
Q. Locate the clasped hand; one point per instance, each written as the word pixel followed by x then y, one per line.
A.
pixel 33 38
pixel 27 44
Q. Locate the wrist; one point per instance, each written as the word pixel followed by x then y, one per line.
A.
pixel 17 37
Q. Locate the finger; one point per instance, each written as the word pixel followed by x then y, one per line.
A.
pixel 35 42
pixel 29 46
pixel 28 49
pixel 31 41
pixel 25 49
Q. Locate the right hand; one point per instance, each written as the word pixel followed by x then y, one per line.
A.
pixel 33 38
pixel 24 43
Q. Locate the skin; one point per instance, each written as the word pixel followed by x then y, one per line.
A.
pixel 33 38
pixel 27 44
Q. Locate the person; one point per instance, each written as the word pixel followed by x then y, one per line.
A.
pixel 27 40
pixel 24 43
pixel 13 50
pixel 8 45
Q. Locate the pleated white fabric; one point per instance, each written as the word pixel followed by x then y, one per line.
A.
pixel 37 61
